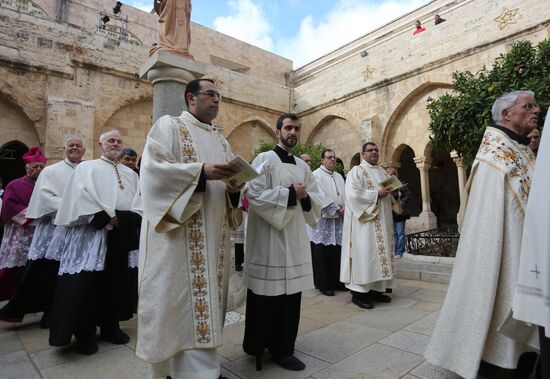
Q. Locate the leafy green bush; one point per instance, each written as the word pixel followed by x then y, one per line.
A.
pixel 458 119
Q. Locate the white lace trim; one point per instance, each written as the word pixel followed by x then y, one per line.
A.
pixel 42 238
pixel 133 259
pixel 85 250
pixel 57 244
pixel 329 227
pixel 15 245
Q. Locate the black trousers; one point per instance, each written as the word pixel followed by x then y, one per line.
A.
pixel 271 323
pixel 35 290
pixel 326 266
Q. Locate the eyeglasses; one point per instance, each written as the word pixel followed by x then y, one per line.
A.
pixel 527 106
pixel 331 158
pixel 374 150
pixel 210 94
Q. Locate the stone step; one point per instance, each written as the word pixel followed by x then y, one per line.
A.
pixel 428 269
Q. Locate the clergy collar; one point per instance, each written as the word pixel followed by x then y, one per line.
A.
pixel 69 163
pixel 105 159
pixel 365 163
pixel 284 155
pixel 513 135
pixel 326 170
pixel 195 121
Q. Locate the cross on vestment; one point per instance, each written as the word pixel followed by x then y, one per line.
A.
pixel 536 271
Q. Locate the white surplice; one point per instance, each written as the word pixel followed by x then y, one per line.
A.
pixel 485 271
pixel 45 200
pixel 367 238
pixel 184 248
pixel 278 257
pixel 93 187
pixel 329 227
pixel 532 299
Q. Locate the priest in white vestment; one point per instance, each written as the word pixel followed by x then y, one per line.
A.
pixel 278 259
pixel 533 290
pixel 93 286
pixel 485 271
pixel 185 247
pixel 326 238
pixel 35 290
pixel 367 265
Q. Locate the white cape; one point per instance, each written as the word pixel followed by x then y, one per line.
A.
pixel 49 187
pixel 532 298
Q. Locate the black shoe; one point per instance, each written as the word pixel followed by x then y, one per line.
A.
pixel 362 303
pixel 289 362
pixel 45 322
pixel 327 292
pixel 87 347
pixel 378 296
pixel 115 336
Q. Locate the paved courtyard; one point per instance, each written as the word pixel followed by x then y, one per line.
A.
pixel 336 340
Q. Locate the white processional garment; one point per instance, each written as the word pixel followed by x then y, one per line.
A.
pixel 184 247
pixel 93 187
pixel 485 271
pixel 45 200
pixel 329 228
pixel 531 301
pixel 367 240
pixel 278 257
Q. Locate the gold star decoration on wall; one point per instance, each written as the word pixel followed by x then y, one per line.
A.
pixel 217 81
pixel 368 73
pixel 507 17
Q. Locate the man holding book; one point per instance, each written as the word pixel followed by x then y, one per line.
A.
pixel 367 247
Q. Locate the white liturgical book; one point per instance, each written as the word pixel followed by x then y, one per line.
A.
pixel 391 184
pixel 246 171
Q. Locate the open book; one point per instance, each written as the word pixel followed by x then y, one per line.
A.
pixel 246 171
pixel 391 184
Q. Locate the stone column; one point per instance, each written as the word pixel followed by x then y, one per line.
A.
pixel 461 171
pixel 427 217
pixel 169 73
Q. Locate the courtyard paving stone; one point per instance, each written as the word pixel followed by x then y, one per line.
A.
pixel 336 339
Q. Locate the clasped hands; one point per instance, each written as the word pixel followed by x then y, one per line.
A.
pixel 220 171
pixel 301 190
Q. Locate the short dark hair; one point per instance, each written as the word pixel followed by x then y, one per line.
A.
pixel 280 120
pixel 324 151
pixel 194 86
pixel 367 144
pixel 127 151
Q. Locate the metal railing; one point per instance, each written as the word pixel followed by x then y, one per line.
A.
pixel 441 242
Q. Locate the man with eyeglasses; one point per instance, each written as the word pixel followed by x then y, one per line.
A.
pixel 185 247
pixel 18 231
pixel 367 266
pixel 470 335
pixel 326 238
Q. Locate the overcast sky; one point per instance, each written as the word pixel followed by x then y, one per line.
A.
pixel 301 30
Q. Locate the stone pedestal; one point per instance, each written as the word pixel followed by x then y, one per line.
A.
pixel 169 73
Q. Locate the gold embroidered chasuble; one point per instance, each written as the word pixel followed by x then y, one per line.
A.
pixel 184 248
pixel 367 239
pixel 485 271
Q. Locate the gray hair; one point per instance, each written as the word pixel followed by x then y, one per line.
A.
pixel 507 101
pixel 102 136
pixel 70 137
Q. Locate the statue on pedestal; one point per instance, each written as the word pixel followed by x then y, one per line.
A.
pixel 174 26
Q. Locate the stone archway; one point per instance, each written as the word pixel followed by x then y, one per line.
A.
pixel 338 134
pixel 11 162
pixel 248 135
pixel 133 121
pixel 15 125
pixel 444 187
pixel 408 173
